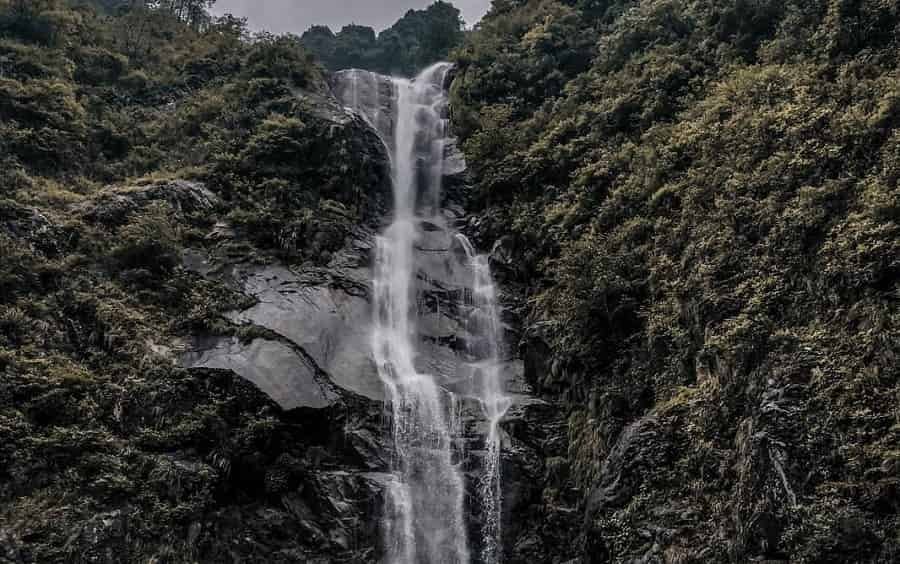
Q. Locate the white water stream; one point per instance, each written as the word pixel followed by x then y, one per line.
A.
pixel 427 512
pixel 495 403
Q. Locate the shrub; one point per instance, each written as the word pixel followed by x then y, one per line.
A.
pixel 18 269
pixel 42 123
pixel 13 325
pixel 149 241
pixel 280 57
pixel 97 65
pixel 135 80
pixel 276 146
pixel 13 177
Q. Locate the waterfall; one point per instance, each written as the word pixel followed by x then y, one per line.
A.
pixel 426 511
pixel 489 390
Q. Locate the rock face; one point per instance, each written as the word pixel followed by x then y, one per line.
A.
pixel 304 339
pixel 322 313
pixel 313 352
pixel 253 432
pixel 309 355
pixel 370 94
pixel 34 229
pixel 114 206
pixel 275 368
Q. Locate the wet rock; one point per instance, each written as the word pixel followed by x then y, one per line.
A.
pixel 368 447
pixel 538 423
pixel 642 451
pixel 340 510
pixel 273 367
pixel 33 228
pixel 641 445
pixel 115 205
pixel 328 318
pixel 503 255
pixel 323 105
pixel 369 94
pixel 540 512
pixel 454 159
pixel 538 357
pixel 331 517
pixel 324 312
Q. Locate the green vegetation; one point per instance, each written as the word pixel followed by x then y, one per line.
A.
pixel 701 197
pixel 108 451
pixel 95 99
pixel 419 38
pixel 705 196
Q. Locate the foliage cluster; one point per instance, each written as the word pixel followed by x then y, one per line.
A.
pixel 705 196
pixel 108 451
pixel 116 91
pixel 419 38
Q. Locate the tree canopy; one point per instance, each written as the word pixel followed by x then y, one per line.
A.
pixel 419 38
pixel 703 196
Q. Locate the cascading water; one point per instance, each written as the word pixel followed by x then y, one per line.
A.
pixel 489 390
pixel 426 523
pixel 426 513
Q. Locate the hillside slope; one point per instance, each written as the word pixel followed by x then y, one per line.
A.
pixel 693 206
pixel 417 40
pixel 702 203
pixel 126 138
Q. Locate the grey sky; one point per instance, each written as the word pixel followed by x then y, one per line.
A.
pixel 295 16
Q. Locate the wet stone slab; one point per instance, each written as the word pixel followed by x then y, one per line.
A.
pixel 331 324
pixel 324 312
pixel 273 367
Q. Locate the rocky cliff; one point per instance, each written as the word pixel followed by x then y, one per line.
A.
pixel 691 212
pixel 218 402
pixel 701 202
pixel 258 450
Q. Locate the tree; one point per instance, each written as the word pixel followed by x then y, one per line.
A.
pixel 419 38
pixel 193 12
pixel 30 19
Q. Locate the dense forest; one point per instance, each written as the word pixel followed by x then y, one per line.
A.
pixel 695 215
pixel 702 200
pixel 419 38
pixel 94 94
pixel 128 132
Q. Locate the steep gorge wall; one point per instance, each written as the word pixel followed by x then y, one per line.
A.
pixel 698 200
pixel 189 376
pixel 110 452
pixel 692 209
